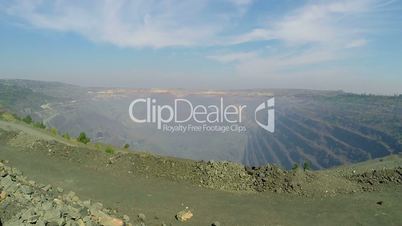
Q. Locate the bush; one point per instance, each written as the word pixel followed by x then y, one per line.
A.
pixel 27 119
pixel 109 150
pixel 39 125
pixel 295 166
pixel 83 138
pixel 126 146
pixel 17 117
pixel 8 117
pixel 53 131
pixel 66 136
pixel 306 166
pixel 98 146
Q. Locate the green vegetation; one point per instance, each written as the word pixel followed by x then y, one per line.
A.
pixel 66 136
pixel 126 146
pixel 6 116
pixel 27 119
pixel 9 117
pixel 16 97
pixel 98 146
pixel 109 150
pixel 306 166
pixel 83 138
pixel 39 125
pixel 53 131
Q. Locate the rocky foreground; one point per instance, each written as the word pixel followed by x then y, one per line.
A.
pixel 24 202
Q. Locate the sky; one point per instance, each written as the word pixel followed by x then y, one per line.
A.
pixel 351 45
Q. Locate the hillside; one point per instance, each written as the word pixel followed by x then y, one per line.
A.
pixel 323 128
pixel 21 99
pixel 138 183
pixel 329 131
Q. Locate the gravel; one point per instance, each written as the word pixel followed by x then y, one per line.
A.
pixel 23 202
pixel 236 177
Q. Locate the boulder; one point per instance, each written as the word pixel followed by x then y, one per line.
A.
pixel 184 215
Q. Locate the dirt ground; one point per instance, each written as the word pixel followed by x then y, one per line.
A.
pixel 160 187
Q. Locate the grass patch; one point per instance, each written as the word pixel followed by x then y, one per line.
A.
pixel 109 150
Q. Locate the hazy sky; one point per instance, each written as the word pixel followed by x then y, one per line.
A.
pixel 354 45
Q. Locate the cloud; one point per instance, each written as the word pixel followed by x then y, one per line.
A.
pixel 139 23
pixel 255 35
pixel 262 66
pixel 241 2
pixel 233 57
pixel 157 24
pixel 300 39
pixel 313 23
pixel 356 43
pixel 312 35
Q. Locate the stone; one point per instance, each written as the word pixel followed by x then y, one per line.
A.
pixel 84 211
pixel 71 223
pixel 126 218
pixel 13 187
pixel 87 219
pixel 70 195
pixel 30 216
pixel 26 190
pixel 52 215
pixel 80 222
pixel 58 202
pixel 3 196
pixel 184 215
pixel 40 222
pixel 3 173
pixel 74 213
pixel 141 217
pixel 47 187
pixel 379 203
pixel 16 172
pixel 75 199
pixel 96 206
pixel 6 182
pixel 107 220
pixel 47 206
pixel 37 205
pixel 87 203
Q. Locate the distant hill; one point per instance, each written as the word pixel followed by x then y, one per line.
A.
pixel 329 130
pixel 323 128
pixel 21 99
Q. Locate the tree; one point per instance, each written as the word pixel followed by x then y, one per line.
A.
pixel 306 166
pixel 83 138
pixel 39 125
pixel 126 146
pixel 27 119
